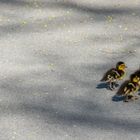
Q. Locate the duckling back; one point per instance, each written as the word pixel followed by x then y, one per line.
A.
pixel 127 87
pixel 121 89
pixel 113 74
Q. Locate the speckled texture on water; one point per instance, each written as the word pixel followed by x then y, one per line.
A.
pixel 53 54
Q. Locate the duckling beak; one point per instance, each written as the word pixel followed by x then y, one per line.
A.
pixel 125 66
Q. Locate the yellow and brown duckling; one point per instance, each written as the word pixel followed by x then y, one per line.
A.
pixel 129 88
pixel 113 75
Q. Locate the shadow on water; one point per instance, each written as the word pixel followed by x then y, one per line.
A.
pixel 102 86
pixel 105 85
pixel 117 98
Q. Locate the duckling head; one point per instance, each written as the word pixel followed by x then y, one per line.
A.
pixel 121 66
pixel 135 78
pixel 138 73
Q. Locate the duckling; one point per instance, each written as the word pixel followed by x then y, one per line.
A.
pixel 113 75
pixel 129 87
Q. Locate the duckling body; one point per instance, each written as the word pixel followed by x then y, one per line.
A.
pixel 113 75
pixel 129 88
